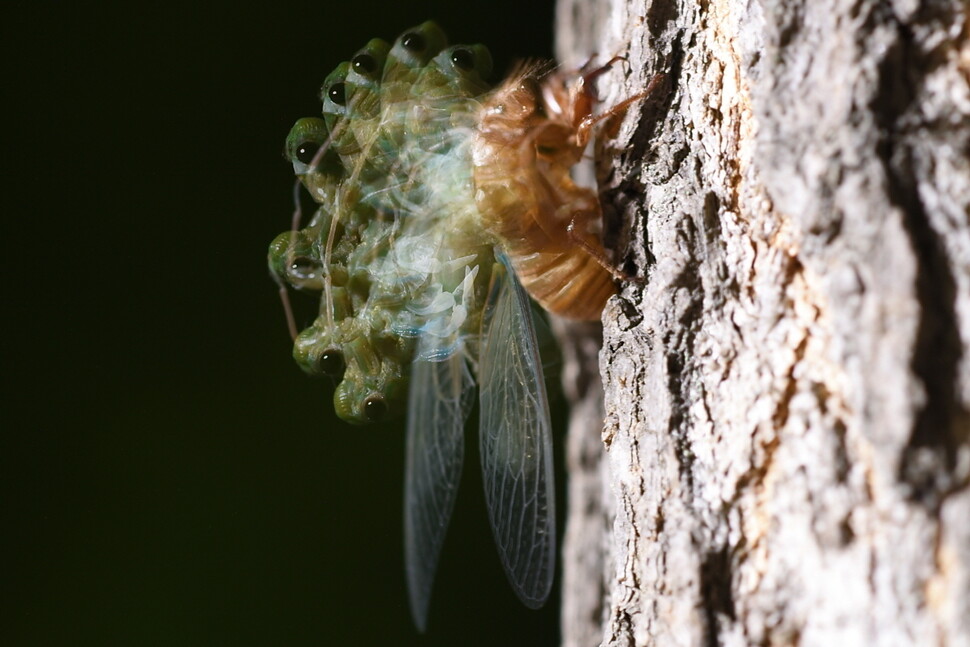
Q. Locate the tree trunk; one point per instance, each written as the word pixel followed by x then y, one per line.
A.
pixel 786 450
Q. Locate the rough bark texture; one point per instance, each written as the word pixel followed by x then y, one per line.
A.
pixel 787 439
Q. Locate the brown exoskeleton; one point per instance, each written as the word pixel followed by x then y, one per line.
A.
pixel 533 129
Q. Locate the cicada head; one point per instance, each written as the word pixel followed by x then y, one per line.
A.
pixel 314 161
pixel 444 98
pixel 333 94
pixel 318 349
pixel 305 258
pixel 295 259
pixel 456 72
pixel 410 52
pixel 363 81
pixel 375 384
pixel 368 362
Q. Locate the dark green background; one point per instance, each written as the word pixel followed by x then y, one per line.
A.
pixel 170 476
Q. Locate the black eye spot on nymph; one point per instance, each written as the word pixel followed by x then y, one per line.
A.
pixel 364 64
pixel 306 151
pixel 463 59
pixel 336 94
pixel 304 267
pixel 331 362
pixel 374 408
pixel 413 42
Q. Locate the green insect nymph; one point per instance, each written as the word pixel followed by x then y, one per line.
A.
pixel 419 302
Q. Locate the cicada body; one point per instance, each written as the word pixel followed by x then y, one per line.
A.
pixel 434 194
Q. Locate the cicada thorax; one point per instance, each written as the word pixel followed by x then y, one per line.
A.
pixel 523 151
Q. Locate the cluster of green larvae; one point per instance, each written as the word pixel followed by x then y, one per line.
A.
pixel 418 302
pixel 393 246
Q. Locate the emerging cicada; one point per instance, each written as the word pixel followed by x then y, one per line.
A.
pixel 434 193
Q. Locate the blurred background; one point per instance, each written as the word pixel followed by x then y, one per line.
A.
pixel 170 476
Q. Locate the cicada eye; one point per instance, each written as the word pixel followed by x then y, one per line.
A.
pixel 411 52
pixel 467 65
pixel 414 42
pixel 331 362
pixel 332 91
pixel 374 408
pixel 303 141
pixel 304 268
pixel 364 64
pixel 306 151
pixel 463 59
pixel 337 93
pixel 368 63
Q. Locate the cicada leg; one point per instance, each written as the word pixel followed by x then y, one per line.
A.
pixel 284 292
pixel 585 126
pixel 598 254
pixel 579 214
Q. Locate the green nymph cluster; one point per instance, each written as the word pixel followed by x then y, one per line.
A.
pixel 393 246
pixel 419 306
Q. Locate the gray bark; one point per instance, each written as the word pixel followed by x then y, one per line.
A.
pixel 786 451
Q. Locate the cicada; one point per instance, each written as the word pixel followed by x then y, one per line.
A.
pixel 438 198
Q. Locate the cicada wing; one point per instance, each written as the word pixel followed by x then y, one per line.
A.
pixel 439 401
pixel 516 440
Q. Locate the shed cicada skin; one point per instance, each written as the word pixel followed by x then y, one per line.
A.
pixel 532 130
pixel 434 191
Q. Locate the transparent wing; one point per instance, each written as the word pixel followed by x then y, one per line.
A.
pixel 516 442
pixel 438 403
